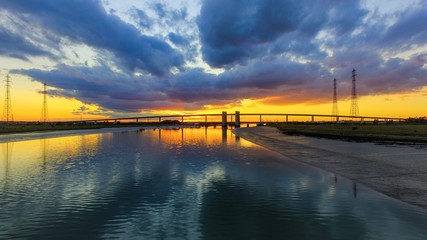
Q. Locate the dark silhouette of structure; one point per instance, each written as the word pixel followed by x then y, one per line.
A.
pixel 45 115
pixel 335 101
pixel 7 111
pixel 354 109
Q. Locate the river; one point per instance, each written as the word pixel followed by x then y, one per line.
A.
pixel 183 184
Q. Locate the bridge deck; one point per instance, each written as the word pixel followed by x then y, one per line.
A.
pixel 245 118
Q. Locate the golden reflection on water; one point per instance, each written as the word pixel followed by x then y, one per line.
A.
pixel 197 136
pixel 28 158
pixel 24 159
pixel 124 185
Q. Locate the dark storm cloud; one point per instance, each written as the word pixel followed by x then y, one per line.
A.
pixel 234 31
pixel 230 30
pixel 87 22
pixel 100 85
pixel 191 88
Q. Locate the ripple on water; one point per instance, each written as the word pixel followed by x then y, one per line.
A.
pixel 186 185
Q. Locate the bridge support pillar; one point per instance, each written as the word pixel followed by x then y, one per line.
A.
pixel 287 118
pixel 160 119
pixel 237 119
pixel 224 119
pixel 182 119
pixel 260 118
pixel 312 119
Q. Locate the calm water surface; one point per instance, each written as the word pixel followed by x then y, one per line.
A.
pixel 184 184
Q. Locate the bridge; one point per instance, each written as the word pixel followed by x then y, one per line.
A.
pixel 237 118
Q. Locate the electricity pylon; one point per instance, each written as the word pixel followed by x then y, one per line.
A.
pixel 7 111
pixel 354 109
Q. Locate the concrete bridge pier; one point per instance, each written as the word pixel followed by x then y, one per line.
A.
pixel 224 119
pixel 237 119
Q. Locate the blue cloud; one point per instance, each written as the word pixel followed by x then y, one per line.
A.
pixel 87 22
pixel 14 45
pixel 142 18
pixel 409 30
pixel 177 39
pixel 234 31
pixel 229 29
pixel 288 50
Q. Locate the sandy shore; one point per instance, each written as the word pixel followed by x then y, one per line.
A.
pixel 395 170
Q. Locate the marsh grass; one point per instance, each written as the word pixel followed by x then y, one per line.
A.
pixel 34 127
pixel 366 132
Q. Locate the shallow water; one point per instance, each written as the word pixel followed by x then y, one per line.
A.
pixel 184 184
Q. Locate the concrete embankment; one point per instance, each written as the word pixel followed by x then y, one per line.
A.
pixel 398 171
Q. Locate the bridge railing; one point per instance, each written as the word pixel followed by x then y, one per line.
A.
pixel 238 118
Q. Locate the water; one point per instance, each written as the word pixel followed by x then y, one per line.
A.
pixel 184 184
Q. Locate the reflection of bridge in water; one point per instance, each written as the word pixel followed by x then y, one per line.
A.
pixel 237 118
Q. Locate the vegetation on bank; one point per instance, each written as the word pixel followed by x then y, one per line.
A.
pixel 34 127
pixel 397 132
pixel 21 127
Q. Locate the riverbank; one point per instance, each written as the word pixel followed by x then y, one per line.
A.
pixel 397 171
pixel 14 128
pixel 395 132
pixel 34 127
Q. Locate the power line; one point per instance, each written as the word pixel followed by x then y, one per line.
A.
pixel 7 110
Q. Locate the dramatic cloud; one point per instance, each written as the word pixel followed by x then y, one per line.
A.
pixel 13 45
pixel 233 31
pixel 409 30
pixel 277 51
pixel 87 22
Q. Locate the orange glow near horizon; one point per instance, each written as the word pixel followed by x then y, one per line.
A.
pixel 27 105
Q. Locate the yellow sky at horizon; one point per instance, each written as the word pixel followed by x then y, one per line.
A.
pixel 27 105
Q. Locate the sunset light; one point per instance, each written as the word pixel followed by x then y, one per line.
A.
pixel 135 58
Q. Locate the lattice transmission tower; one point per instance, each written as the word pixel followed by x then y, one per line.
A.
pixel 45 113
pixel 7 110
pixel 335 102
pixel 354 109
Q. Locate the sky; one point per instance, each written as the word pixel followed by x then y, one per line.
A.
pixel 112 58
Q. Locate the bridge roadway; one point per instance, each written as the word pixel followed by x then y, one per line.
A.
pixel 235 118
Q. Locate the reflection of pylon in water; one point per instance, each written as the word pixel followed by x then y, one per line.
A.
pixel 335 102
pixel 45 116
pixel 44 152
pixel 7 150
pixel 7 111
pixel 354 109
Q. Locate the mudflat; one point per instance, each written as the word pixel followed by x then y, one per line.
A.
pixel 399 171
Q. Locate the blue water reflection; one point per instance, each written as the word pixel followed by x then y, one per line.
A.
pixel 188 184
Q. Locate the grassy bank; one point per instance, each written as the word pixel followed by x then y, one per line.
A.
pixel 21 128
pixel 416 133
pixel 34 127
